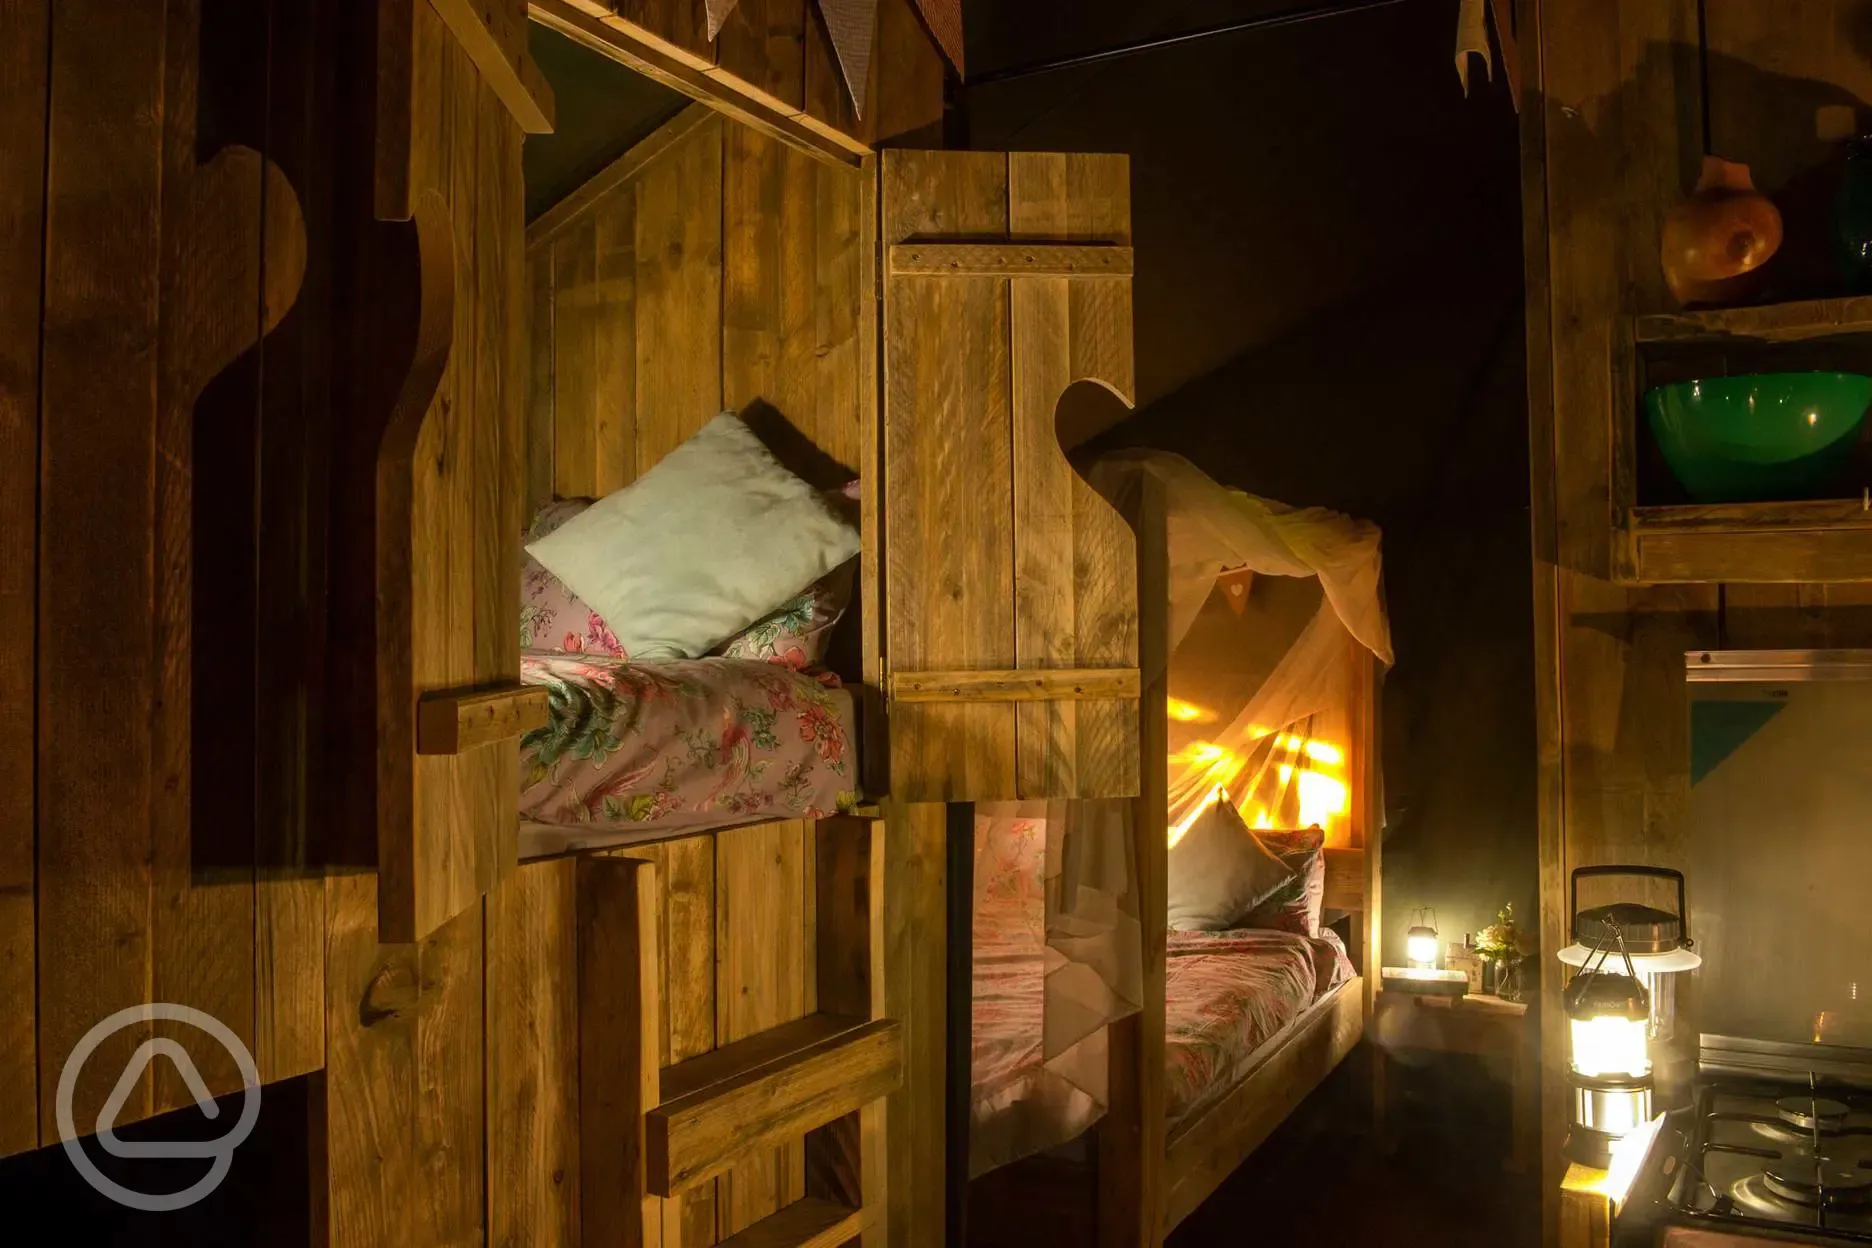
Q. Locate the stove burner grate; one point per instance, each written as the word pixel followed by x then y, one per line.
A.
pixel 1818 1182
pixel 1812 1113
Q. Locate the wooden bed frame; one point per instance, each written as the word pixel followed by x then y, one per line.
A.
pixel 1148 1179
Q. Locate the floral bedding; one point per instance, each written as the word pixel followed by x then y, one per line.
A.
pixel 638 748
pixel 1228 994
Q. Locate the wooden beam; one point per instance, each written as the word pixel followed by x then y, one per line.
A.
pixel 573 207
pixel 520 86
pixel 620 1032
pixel 1014 259
pixel 752 1095
pixel 623 43
pixel 1079 684
pixel 454 723
pixel 806 1223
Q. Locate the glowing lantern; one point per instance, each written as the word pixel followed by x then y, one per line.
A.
pixel 1420 942
pixel 1610 1018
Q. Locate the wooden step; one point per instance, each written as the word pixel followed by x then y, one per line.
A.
pixel 755 1094
pixel 807 1223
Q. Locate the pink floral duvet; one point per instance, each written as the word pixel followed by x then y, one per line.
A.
pixel 646 749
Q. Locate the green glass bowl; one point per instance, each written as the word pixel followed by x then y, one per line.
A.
pixel 1760 437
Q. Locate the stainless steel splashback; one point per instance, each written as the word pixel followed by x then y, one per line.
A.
pixel 1779 844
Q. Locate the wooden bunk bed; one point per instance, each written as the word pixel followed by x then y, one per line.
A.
pixel 1134 1177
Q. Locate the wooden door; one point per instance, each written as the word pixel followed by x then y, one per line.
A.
pixel 1010 660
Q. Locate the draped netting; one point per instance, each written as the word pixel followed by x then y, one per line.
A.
pixel 1263 694
pixel 1058 949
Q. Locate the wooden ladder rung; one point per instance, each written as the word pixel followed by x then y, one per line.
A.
pixel 807 1223
pixel 755 1094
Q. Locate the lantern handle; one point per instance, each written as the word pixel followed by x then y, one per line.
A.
pixel 1662 873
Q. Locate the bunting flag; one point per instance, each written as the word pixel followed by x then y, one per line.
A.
pixel 853 27
pixel 944 19
pixel 718 11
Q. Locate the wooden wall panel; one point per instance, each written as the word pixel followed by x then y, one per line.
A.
pixel 949 522
pixel 679 284
pixel 762 46
pixel 96 518
pixel 533 1059
pixel 915 960
pixel 24 30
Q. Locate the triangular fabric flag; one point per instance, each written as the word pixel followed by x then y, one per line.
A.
pixel 718 11
pixel 944 19
pixel 853 27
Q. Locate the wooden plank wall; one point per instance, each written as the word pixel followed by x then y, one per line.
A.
pixel 1612 137
pixel 169 245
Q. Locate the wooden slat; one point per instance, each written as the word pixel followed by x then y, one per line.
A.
pixel 517 81
pixel 908 81
pixel 1345 879
pixel 578 317
pixel 531 1024
pixel 763 926
pixel 96 521
pixel 914 958
pixel 808 1223
pixel 541 380
pixel 748 1096
pixel 1207 1149
pixel 1772 322
pixel 614 328
pixel 1131 1200
pixel 447 1198
pixel 720 92
pixel 614 176
pixel 1017 259
pixel 454 723
pixel 1075 558
pixel 1034 685
pixel 679 284
pixel 499 211
pixel 394 95
pixel 1786 555
pixel 618 1015
pixel 24 30
pixel 292 618
pixel 948 502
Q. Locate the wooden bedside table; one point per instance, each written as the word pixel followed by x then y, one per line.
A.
pixel 1485 1026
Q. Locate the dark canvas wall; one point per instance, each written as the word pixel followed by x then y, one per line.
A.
pixel 1328 312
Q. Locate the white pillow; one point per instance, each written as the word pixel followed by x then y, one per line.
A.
pixel 1219 871
pixel 713 538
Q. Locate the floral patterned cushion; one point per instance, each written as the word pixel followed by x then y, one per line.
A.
pixel 797 634
pixel 552 617
pixel 1296 905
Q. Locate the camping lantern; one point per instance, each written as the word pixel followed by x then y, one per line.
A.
pixel 1657 942
pixel 1611 1013
pixel 1420 942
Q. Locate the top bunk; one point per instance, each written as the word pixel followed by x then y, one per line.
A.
pixel 862 324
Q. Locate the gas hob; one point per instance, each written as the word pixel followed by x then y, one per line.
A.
pixel 1777 1148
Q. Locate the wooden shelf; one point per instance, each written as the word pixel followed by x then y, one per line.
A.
pixel 1768 322
pixel 1824 540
